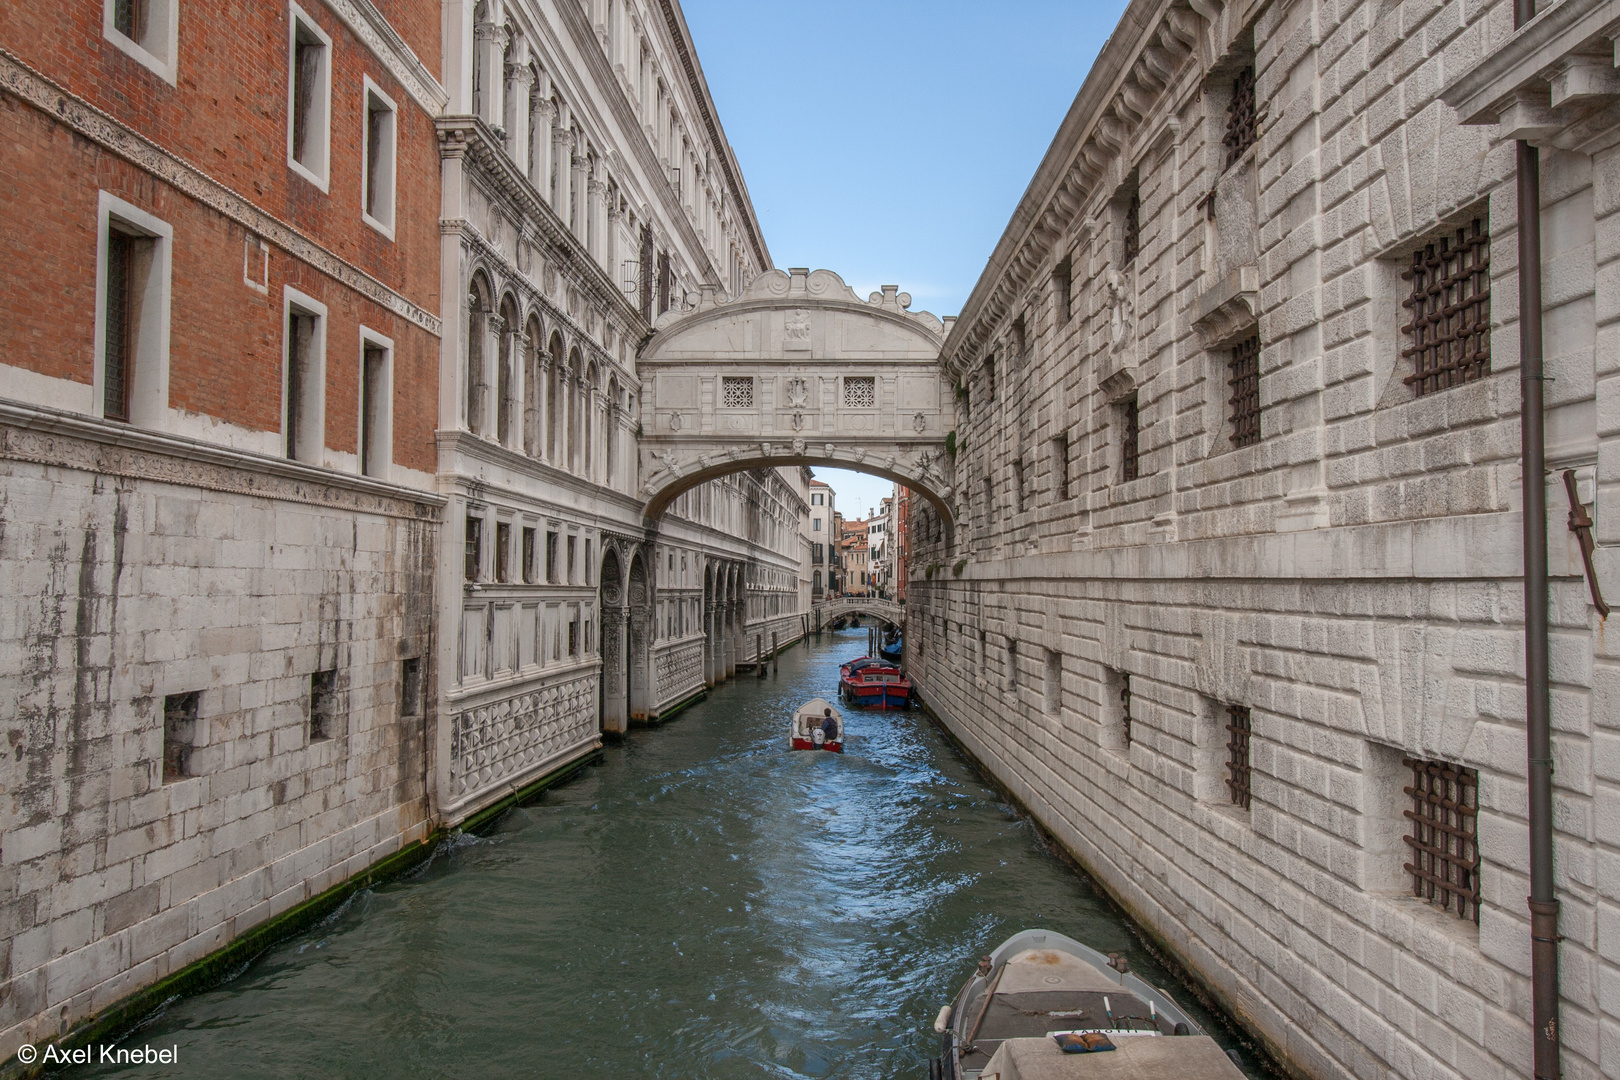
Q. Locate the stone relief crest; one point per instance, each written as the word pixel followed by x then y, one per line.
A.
pixel 798 393
pixel 797 331
pixel 1121 310
pixel 675 421
pixel 798 421
pixel 920 423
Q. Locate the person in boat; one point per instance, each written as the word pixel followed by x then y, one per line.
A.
pixel 829 726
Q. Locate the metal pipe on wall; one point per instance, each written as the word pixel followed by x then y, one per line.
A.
pixel 1543 901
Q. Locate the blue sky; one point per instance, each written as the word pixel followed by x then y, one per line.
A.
pixel 890 142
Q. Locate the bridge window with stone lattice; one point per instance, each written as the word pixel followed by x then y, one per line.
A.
pixel 860 391
pixel 737 392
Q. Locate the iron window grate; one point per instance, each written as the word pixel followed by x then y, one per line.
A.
pixel 1125 704
pixel 1449 333
pixel 1443 838
pixel 1242 118
pixel 1133 228
pixel 1239 730
pixel 1244 380
pixel 1131 439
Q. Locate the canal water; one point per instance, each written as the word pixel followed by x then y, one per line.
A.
pixel 700 904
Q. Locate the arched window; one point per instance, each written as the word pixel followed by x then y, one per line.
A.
pixel 612 431
pixel 556 437
pixel 590 421
pixel 576 403
pixel 533 387
pixel 505 382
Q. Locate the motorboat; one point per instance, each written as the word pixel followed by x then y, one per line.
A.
pixel 1043 1007
pixel 806 731
pixel 870 683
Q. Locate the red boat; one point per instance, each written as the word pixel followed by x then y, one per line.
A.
pixel 808 731
pixel 874 684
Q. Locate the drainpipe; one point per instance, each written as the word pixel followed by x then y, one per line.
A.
pixel 1538 737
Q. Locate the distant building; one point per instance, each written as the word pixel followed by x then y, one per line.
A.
pixel 823 541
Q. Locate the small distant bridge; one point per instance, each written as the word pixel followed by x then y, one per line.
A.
pixel 824 612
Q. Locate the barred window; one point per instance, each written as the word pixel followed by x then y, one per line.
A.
pixel 1130 443
pixel 1449 335
pixel 1063 290
pixel 1125 704
pixel 474 547
pixel 860 391
pixel 1242 117
pixel 1133 228
pixel 737 391
pixel 1239 729
pixel 1443 838
pixel 116 365
pixel 1244 379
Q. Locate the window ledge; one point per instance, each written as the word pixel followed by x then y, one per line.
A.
pixel 386 230
pixel 141 55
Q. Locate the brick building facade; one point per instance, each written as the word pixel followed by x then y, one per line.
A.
pixel 216 457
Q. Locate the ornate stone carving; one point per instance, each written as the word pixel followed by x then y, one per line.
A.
pixel 796 335
pixel 919 423
pixel 675 421
pixel 1121 310
pixel 797 393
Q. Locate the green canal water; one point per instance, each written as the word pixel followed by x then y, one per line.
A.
pixel 700 904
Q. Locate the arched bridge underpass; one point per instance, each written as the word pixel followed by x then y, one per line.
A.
pixel 797 370
pixel 825 611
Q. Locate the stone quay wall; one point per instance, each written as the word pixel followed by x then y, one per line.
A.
pixel 1137 572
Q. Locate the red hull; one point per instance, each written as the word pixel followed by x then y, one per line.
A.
pixel 806 744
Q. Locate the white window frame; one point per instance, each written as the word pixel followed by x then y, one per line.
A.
pixel 322 113
pixel 385 223
pixel 149 378
pixel 314 414
pixel 160 53
pixel 385 426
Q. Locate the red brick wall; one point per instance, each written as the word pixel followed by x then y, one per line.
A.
pixel 228 117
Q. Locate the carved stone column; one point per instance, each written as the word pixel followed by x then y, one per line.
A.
pixel 711 646
pixel 615 703
pixel 577 193
pixel 541 133
pixel 562 147
pixel 490 40
pixel 489 419
pixel 519 83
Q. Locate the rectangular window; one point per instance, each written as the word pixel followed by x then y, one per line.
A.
pixel 1020 340
pixel 116 366
pixel 1063 291
pixel 860 391
pixel 503 551
pixel 376 415
pixel 736 392
pixel 1060 465
pixel 1052 682
pixel 815 525
pixel 815 498
pixel 1018 486
pixel 1449 335
pixel 573 634
pixel 179 734
pixel 410 687
pixel 573 547
pixel 131 314
pixel 1239 730
pixel 1012 664
pixel 1244 379
pixel 1443 837
pixel 304 394
pixel 585 573
pixel 309 98
pixel 1242 117
pixel 528 557
pixel 377 168
pixel 146 31
pixel 475 547
pixel 1130 439
pixel 322 705
pixel 551 558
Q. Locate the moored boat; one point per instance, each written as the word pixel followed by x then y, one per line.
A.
pixel 870 683
pixel 1041 997
pixel 808 730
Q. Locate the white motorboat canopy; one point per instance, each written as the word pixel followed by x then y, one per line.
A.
pixel 810 715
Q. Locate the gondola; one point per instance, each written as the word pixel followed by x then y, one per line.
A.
pixel 1044 1005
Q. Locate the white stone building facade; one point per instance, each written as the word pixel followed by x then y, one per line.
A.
pixel 1239 537
pixel 587 190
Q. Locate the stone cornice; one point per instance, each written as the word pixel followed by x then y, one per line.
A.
pixel 474 447
pixel 377 34
pixel 91 123
pixel 472 137
pixel 1479 93
pixel 1105 124
pixel 66 440
pixel 676 21
pixel 657 174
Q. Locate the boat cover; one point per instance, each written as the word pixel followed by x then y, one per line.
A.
pixel 809 716
pixel 1183 1057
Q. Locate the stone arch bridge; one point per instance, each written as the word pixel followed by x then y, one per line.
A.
pixel 825 611
pixel 797 370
